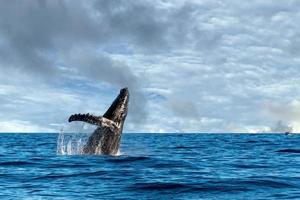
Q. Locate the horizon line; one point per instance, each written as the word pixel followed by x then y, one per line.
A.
pixel 34 132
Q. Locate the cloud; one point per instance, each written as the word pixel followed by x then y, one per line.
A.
pixel 17 126
pixel 97 68
pixel 184 109
pixel 286 115
pixel 42 42
pixel 289 111
pixel 280 127
pixel 192 66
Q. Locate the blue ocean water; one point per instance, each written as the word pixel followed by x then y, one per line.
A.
pixel 154 166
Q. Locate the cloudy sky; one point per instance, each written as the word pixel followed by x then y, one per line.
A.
pixel 191 66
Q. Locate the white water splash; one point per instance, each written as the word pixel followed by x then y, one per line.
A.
pixel 72 138
pixel 118 153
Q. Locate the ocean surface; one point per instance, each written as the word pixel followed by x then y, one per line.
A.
pixel 154 166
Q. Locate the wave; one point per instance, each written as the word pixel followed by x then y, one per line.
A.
pixel 127 159
pixel 289 151
pixel 229 185
pixel 188 147
pixel 83 174
pixel 159 186
pixel 250 166
pixel 15 163
pixel 267 183
pixel 181 187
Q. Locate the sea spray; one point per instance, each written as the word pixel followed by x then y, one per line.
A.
pixel 73 137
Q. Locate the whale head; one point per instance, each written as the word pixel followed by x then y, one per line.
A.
pixel 117 112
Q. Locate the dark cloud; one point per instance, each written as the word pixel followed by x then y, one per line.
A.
pixel 102 68
pixel 37 34
pixel 137 23
pixel 34 30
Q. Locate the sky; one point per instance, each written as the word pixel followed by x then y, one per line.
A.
pixel 190 66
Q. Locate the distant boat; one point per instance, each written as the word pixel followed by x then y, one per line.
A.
pixel 287 133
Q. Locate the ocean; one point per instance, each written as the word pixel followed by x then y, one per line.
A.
pixel 154 166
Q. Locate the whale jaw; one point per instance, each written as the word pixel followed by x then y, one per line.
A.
pixel 107 136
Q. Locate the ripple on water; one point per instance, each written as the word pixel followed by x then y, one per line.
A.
pixel 289 151
pixel 61 176
pixel 127 159
pixel 154 166
pixel 16 163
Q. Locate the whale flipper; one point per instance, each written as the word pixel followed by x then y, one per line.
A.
pixel 91 119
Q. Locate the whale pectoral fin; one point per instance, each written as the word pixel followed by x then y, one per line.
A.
pixel 91 119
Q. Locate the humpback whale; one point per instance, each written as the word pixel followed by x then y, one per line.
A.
pixel 107 136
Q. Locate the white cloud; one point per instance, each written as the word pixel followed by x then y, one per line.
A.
pixel 203 66
pixel 18 126
pixel 285 114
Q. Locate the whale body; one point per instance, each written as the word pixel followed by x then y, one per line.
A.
pixel 107 136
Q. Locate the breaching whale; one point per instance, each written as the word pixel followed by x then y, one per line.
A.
pixel 107 136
